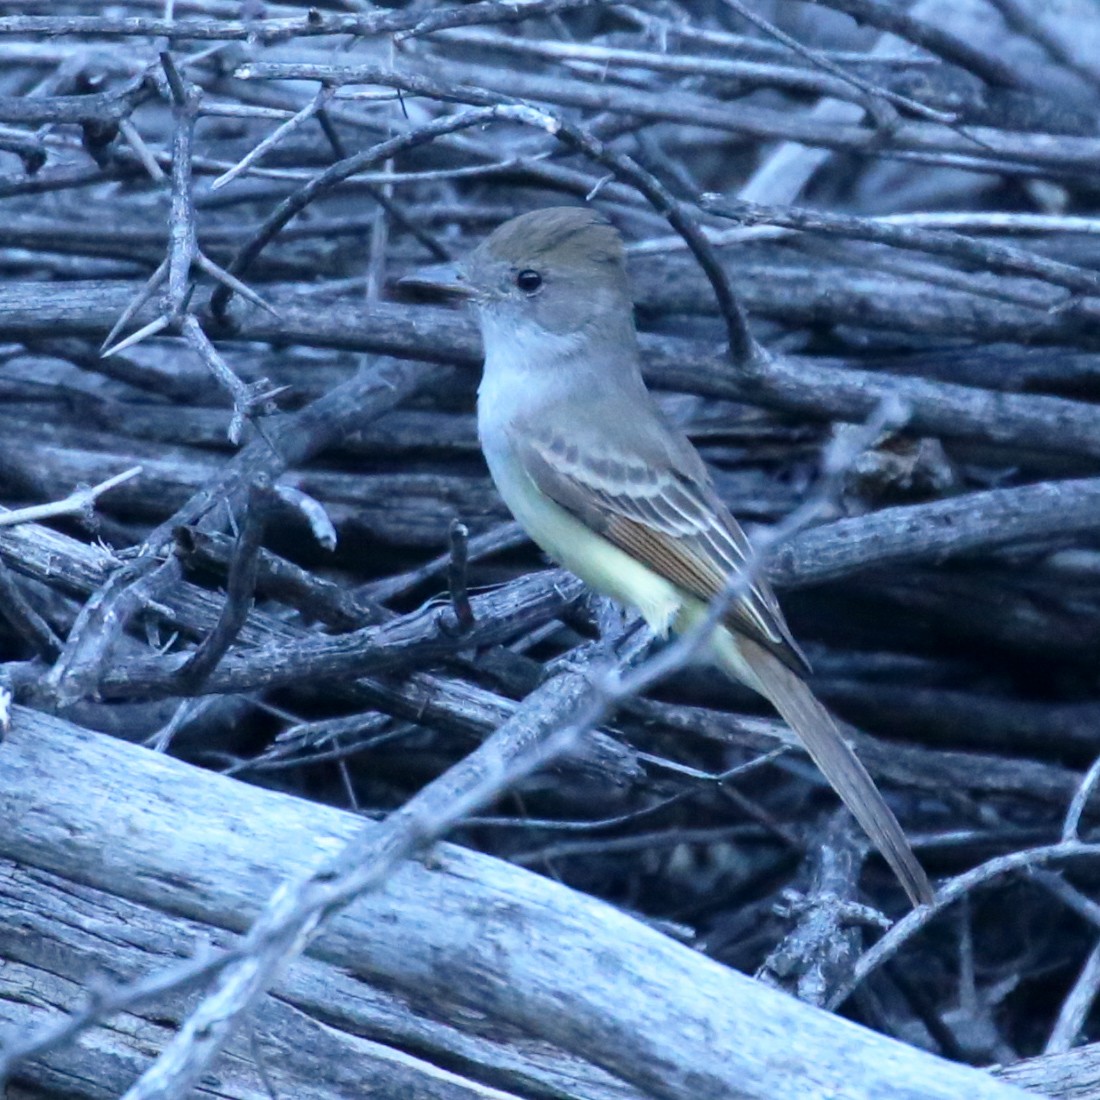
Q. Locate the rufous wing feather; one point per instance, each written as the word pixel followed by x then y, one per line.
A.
pixel 672 522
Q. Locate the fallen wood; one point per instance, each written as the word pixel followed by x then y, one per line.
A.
pixel 123 860
pixel 1074 1075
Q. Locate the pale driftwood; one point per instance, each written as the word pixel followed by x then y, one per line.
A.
pixel 133 847
pixel 324 1033
pixel 1074 1075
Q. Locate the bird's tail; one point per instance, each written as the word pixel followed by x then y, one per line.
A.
pixel 838 762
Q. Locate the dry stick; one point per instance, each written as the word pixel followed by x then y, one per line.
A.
pixel 953 221
pixel 413 640
pixel 77 501
pixel 23 619
pixel 457 569
pixel 101 622
pixel 278 134
pixel 272 31
pixel 448 18
pixel 313 512
pixel 133 308
pixel 461 708
pixel 1079 801
pixel 249 399
pixel 945 409
pixel 136 142
pixel 183 249
pixel 1027 21
pixel 822 946
pixel 101 1004
pixel 874 95
pixel 240 586
pixel 330 603
pixel 903 535
pixel 1075 1008
pixel 535 169
pixel 1001 259
pixel 303 743
pixel 506 536
pixel 934 39
pixel 1025 860
pixel 660 29
pixel 102 109
pixel 182 234
pixel 29 149
pixel 1054 883
pixel 549 854
pixel 19 613
pixel 181 222
pixel 379 239
pixel 905 765
pixel 381 193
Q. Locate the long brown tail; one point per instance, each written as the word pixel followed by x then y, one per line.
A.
pixel 839 764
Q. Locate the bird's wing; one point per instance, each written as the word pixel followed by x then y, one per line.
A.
pixel 665 514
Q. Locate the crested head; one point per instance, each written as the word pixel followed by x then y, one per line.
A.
pixel 569 237
pixel 558 270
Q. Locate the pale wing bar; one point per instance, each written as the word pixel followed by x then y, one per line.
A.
pixel 674 524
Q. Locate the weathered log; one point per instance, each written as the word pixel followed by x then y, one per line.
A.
pixel 152 852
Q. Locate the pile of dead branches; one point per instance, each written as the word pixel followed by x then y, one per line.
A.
pixel 249 528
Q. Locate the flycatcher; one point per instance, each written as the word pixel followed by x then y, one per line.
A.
pixel 611 490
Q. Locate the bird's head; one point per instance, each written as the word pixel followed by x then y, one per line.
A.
pixel 558 270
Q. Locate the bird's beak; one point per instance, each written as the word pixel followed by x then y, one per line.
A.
pixel 447 281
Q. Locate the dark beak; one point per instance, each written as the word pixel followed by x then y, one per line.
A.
pixel 440 281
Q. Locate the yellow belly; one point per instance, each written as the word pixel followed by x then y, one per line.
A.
pixel 571 544
pixel 609 570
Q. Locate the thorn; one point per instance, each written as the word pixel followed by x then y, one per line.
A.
pixel 151 329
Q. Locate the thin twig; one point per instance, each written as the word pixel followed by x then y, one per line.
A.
pixel 79 500
pixel 457 576
pixel 950 892
pixel 238 593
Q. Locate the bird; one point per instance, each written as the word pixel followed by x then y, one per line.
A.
pixel 612 490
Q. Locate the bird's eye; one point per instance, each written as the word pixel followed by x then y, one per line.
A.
pixel 528 281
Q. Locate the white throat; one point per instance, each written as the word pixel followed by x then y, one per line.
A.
pixel 525 367
pixel 531 373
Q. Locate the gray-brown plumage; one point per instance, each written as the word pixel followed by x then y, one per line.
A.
pixel 609 488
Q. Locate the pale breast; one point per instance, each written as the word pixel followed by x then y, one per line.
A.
pixel 568 541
